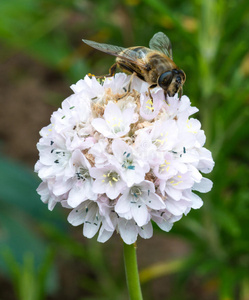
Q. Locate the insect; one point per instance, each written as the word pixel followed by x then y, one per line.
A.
pixel 154 65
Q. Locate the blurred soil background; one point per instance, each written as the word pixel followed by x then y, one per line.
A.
pixel 206 255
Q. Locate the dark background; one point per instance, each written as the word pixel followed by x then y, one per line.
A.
pixel 206 255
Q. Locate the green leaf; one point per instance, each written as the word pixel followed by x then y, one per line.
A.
pixel 18 191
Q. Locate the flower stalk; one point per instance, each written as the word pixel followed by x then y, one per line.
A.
pixel 131 271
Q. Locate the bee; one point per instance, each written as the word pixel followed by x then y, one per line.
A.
pixel 154 65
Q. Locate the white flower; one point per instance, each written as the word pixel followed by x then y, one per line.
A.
pixel 75 112
pixel 98 150
pixel 180 110
pixel 146 149
pixel 136 201
pixel 164 219
pixel 129 230
pixel 169 167
pixel 151 107
pixel 174 186
pixel 132 168
pixel 90 87
pixel 81 185
pixel 120 160
pixel 206 162
pixel 55 158
pixel 164 135
pixel 116 123
pixel 117 84
pixel 108 181
pixel 86 213
pixel 47 196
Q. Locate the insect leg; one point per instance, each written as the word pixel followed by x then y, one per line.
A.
pixel 166 95
pixel 112 71
pixel 130 82
pixel 180 93
pixel 129 86
pixel 150 88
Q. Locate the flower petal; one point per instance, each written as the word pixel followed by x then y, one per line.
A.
pixel 140 214
pixel 204 186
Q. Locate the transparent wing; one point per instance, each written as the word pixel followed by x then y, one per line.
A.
pixel 161 42
pixel 124 53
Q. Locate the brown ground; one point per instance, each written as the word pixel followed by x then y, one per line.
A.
pixel 28 92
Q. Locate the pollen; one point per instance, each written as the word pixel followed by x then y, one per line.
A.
pixel 164 138
pixel 150 107
pixel 189 126
pixel 112 177
pixel 149 102
pixel 164 165
pixel 136 192
pixel 175 183
pixel 117 122
pixel 160 141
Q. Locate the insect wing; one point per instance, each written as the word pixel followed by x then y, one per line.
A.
pixel 109 49
pixel 161 42
pixel 124 53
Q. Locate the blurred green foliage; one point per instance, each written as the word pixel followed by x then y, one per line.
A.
pixel 210 43
pixel 25 256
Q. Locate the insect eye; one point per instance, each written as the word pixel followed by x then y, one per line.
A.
pixel 183 75
pixel 178 79
pixel 165 79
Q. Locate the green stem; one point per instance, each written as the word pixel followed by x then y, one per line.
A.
pixel 131 270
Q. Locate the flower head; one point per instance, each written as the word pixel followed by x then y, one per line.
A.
pixel 121 161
